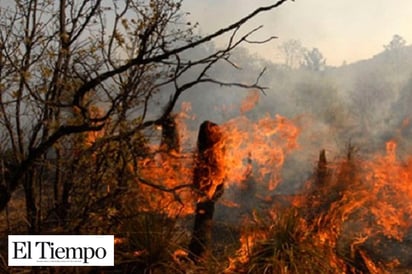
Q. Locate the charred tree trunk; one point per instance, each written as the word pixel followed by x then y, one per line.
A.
pixel 322 170
pixel 318 201
pixel 202 230
pixel 170 136
pixel 208 179
pixel 31 207
pixel 63 207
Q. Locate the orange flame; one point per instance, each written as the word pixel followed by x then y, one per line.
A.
pixel 265 143
pixel 250 101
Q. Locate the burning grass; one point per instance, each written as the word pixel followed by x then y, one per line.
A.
pixel 344 212
pixel 342 220
pixel 280 244
pixel 349 212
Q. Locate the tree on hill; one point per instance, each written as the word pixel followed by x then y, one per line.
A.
pixel 314 60
pixel 292 51
pixel 397 42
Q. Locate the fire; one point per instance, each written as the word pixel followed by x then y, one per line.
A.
pixel 357 203
pixel 250 101
pixel 92 136
pixel 166 173
pixel 349 202
pixel 391 151
pixel 393 190
pixel 265 143
pixel 373 201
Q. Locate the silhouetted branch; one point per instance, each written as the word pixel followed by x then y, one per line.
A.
pixel 172 190
pixel 140 60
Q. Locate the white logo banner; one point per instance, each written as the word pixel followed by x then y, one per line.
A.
pixel 61 250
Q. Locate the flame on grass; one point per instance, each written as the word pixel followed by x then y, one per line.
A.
pixel 360 200
pixel 372 202
pixel 377 192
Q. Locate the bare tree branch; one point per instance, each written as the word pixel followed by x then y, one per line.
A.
pixel 66 84
pixel 172 190
pixel 140 60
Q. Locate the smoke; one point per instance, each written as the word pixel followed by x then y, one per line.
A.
pixel 344 30
pixel 361 105
pixel 364 103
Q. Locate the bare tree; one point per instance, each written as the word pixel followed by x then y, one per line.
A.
pixel 70 68
pixel 313 60
pixel 397 42
pixel 292 52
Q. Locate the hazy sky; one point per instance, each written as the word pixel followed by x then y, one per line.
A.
pixel 342 29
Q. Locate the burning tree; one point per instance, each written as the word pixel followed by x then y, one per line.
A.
pixel 208 179
pixel 63 61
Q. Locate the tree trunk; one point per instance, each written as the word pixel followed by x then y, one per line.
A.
pixel 208 179
pixel 170 135
pixel 31 208
pixel 322 170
